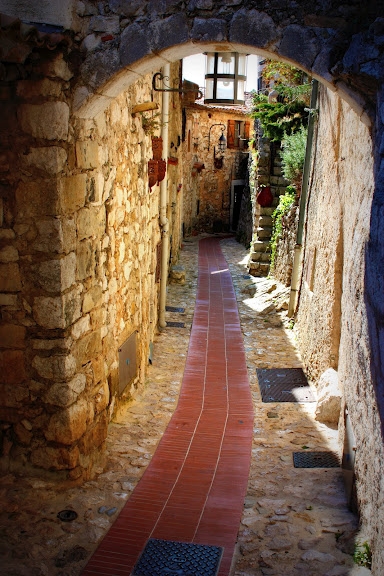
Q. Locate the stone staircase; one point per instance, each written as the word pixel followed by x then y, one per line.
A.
pixel 259 258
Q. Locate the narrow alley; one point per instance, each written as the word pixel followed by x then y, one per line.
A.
pixel 281 521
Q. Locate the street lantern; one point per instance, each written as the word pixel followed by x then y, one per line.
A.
pixel 225 78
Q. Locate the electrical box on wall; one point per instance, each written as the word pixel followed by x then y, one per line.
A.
pixel 127 362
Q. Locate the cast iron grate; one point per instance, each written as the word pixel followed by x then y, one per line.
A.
pixel 176 324
pixel 284 385
pixel 169 558
pixel 315 460
pixel 174 309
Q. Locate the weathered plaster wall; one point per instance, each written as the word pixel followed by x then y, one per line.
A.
pixel 78 263
pixel 208 189
pixel 332 315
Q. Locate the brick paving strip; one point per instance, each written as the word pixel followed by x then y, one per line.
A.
pixel 194 487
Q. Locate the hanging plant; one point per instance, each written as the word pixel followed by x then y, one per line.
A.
pixel 151 124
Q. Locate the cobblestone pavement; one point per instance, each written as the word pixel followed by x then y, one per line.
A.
pixel 295 521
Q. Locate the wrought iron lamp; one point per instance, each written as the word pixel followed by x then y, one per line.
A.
pixel 221 146
pixel 225 78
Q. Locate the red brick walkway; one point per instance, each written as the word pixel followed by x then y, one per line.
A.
pixel 193 489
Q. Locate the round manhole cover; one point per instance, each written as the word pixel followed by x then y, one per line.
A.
pixel 67 515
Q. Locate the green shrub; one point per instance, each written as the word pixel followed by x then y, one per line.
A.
pixel 285 203
pixel 293 155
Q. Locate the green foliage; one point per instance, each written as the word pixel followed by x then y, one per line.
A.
pixel 150 124
pixel 293 155
pixel 286 201
pixel 287 114
pixel 282 73
pixel 278 118
pixel 363 554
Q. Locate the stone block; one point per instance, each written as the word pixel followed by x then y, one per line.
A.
pixel 55 235
pixel 64 394
pixel 60 368
pixel 28 89
pixel 106 24
pixel 134 44
pixel 12 373
pixel 177 275
pixel 55 458
pixel 300 44
pixel 56 68
pixel 252 27
pixel 9 254
pixel 8 300
pixel 169 31
pixel 73 190
pixel 52 159
pixel 92 298
pixel 209 29
pixel 87 154
pixel 57 312
pixel 49 120
pixel 23 435
pixel 95 436
pixel 102 397
pixel 67 426
pixel 81 327
pixel 126 7
pixel 329 398
pixel 91 222
pixel 10 279
pixel 57 275
pixel 36 199
pixel 95 187
pixel 85 260
pixel 88 347
pixel 12 336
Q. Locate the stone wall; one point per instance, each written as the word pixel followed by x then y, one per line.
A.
pixel 332 315
pixel 78 260
pixel 207 188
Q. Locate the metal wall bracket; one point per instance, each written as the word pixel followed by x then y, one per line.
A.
pixel 163 87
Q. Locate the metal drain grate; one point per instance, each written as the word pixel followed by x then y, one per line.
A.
pixel 174 309
pixel 168 558
pixel 284 385
pixel 315 460
pixel 176 324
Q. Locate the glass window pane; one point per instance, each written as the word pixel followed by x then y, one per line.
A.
pixel 225 90
pixel 210 63
pixel 240 90
pixel 242 64
pixel 209 88
pixel 226 63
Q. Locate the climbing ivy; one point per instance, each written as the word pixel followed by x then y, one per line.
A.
pixel 285 203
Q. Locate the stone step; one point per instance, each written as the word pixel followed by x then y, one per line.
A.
pixel 265 232
pixel 258 269
pixel 267 211
pixel 260 256
pixel 265 220
pixel 261 246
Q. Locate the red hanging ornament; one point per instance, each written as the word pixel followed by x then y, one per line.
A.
pixel 265 197
pixel 153 170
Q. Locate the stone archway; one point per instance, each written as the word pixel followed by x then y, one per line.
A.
pixel 56 194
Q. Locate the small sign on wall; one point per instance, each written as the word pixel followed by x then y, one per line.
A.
pixel 127 362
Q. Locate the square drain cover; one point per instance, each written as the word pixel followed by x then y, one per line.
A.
pixel 176 324
pixel 284 385
pixel 174 309
pixel 315 460
pixel 168 558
